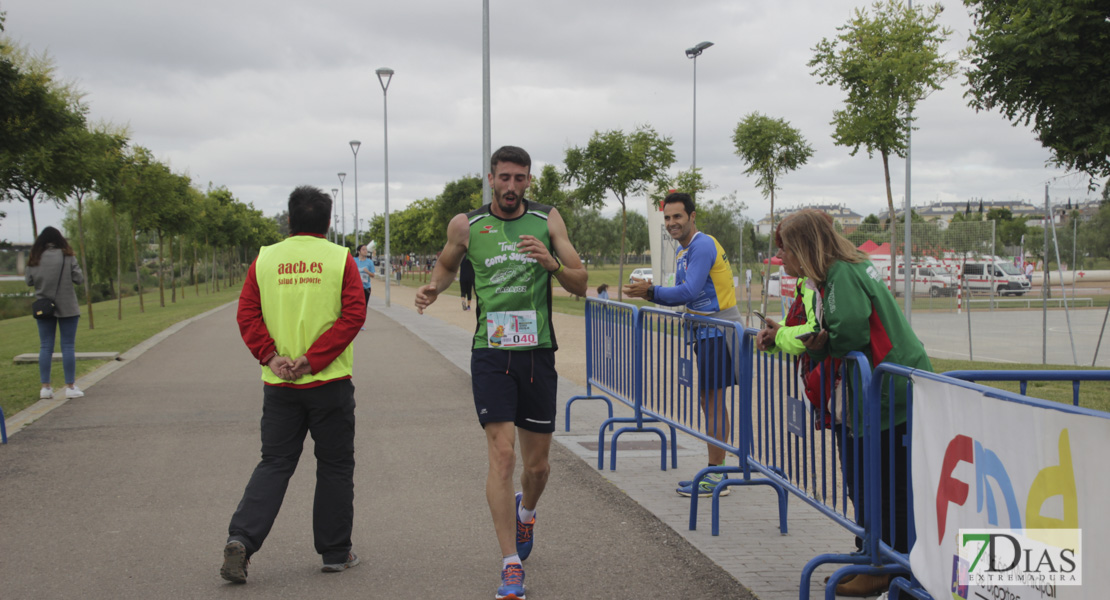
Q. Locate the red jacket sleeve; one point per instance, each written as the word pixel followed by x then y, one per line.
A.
pixel 352 315
pixel 251 326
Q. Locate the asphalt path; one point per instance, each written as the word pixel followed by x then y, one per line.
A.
pixel 127 493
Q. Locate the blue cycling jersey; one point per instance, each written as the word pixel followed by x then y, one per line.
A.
pixel 703 278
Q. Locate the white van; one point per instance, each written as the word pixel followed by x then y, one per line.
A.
pixel 1005 278
pixel 930 278
pixel 933 280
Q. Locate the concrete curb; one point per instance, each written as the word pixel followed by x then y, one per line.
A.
pixel 17 422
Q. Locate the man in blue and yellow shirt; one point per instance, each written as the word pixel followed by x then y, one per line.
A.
pixel 703 283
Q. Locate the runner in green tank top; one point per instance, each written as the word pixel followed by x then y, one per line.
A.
pixel 514 308
pixel 516 247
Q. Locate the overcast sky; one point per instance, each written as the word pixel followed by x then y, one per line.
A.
pixel 262 96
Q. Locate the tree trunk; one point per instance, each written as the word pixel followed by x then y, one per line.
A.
pixel 161 268
pixel 193 269
pixel 173 274
pixel 119 268
pixel 893 235
pixel 84 263
pixel 770 252
pixel 34 223
pixel 138 270
pixel 620 270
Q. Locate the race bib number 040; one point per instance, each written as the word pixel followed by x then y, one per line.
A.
pixel 512 329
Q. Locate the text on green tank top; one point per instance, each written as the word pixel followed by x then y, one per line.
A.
pixel 513 291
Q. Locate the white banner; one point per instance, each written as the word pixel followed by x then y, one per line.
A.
pixel 981 463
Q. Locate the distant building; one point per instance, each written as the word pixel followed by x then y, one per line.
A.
pixel 846 217
pixel 944 211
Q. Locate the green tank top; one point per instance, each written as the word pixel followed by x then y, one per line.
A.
pixel 513 291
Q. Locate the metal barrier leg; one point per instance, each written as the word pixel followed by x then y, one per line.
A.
pixel 902 585
pixel 859 564
pixel 613 445
pixel 566 409
pixel 4 429
pixel 601 437
pixel 696 482
pixel 674 448
pixel 716 512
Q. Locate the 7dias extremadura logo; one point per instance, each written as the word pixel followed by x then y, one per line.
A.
pixel 1031 557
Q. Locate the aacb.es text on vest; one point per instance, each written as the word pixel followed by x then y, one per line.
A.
pixel 297 271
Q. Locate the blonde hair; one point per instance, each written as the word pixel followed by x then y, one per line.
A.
pixel 809 235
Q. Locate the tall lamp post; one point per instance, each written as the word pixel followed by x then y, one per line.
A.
pixel 354 148
pixel 694 53
pixel 335 215
pixel 385 75
pixel 343 205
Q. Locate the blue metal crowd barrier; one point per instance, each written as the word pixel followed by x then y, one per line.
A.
pixel 705 402
pixel 3 428
pixel 894 561
pixel 827 452
pixel 614 367
pixel 1024 377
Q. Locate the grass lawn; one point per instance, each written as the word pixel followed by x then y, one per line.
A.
pixel 19 384
pixel 1092 394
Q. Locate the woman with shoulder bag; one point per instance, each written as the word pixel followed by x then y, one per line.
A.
pixel 53 270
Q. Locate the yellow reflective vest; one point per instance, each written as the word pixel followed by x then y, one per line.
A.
pixel 300 284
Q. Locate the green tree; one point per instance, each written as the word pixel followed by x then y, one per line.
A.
pixel 886 64
pixel 281 221
pixel 41 111
pixel 621 165
pixel 722 219
pixel 86 157
pixel 1044 61
pixel 690 181
pixel 771 148
pixel 593 236
pixel 459 196
pixel 168 216
pixel 101 263
pixel 637 229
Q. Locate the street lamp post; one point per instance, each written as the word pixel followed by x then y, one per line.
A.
pixel 354 148
pixel 385 75
pixel 343 205
pixel 335 215
pixel 694 53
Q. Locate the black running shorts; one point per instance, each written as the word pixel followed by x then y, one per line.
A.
pixel 517 386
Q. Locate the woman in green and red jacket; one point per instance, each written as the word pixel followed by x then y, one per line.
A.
pixel 860 314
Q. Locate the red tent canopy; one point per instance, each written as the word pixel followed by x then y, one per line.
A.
pixel 775 260
pixel 883 250
pixel 868 246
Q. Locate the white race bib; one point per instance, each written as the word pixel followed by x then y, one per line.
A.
pixel 512 329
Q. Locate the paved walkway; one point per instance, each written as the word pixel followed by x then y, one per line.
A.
pixel 750 546
pixel 127 492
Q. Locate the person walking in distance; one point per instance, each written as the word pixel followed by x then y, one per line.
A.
pixel 516 247
pixel 703 283
pixel 301 307
pixel 466 283
pixel 366 269
pixel 52 268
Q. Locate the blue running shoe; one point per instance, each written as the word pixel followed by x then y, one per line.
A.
pixel 512 583
pixel 705 489
pixel 523 531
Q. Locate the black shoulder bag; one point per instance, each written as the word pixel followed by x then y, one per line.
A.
pixel 43 308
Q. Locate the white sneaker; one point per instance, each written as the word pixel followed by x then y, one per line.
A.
pixel 46 393
pixel 73 392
